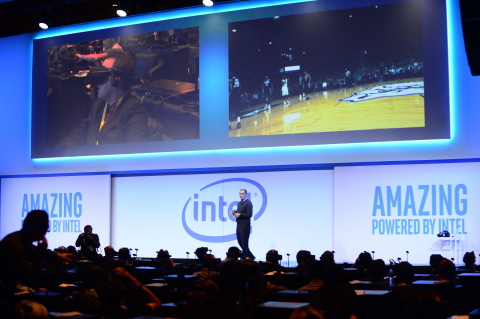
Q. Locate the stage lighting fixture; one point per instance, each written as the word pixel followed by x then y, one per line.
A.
pixel 44 22
pixel 208 3
pixel 121 10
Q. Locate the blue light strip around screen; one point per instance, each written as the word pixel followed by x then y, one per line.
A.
pixel 174 14
pixel 413 146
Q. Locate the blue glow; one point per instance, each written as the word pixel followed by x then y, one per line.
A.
pixel 452 58
pixel 152 17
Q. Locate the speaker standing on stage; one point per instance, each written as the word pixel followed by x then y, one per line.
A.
pixel 88 243
pixel 243 215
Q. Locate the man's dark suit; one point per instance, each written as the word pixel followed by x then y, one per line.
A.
pixel 127 124
pixel 245 209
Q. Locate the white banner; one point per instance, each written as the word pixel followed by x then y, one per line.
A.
pixel 292 211
pixel 394 209
pixel 71 202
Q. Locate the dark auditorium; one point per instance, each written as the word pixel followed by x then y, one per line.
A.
pixel 289 159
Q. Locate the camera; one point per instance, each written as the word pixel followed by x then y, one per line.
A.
pixel 443 234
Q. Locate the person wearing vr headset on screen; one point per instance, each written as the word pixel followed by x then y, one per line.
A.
pixel 116 116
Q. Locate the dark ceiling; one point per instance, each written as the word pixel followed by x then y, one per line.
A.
pixel 22 16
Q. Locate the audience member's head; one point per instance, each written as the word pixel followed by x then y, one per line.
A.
pixel 61 249
pixel 364 260
pixel 209 261
pixel 328 256
pixel 110 252
pixel 200 251
pixel 404 273
pixel 469 259
pixel 273 256
pixel 304 257
pixel 234 253
pixel 124 254
pixel 27 309
pixel 377 270
pixel 446 271
pixel 435 260
pixel 36 224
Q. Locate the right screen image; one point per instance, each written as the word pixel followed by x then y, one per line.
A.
pixel 358 69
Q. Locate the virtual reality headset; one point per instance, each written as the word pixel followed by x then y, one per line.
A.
pixel 99 75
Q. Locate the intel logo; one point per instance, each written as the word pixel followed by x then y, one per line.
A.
pixel 206 217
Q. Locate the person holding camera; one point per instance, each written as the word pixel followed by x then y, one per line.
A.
pixel 88 243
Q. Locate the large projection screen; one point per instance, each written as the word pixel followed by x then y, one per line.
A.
pixel 375 73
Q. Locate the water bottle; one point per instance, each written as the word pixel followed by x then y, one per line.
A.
pixel 390 276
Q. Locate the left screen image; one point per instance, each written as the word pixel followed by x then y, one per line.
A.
pixel 129 89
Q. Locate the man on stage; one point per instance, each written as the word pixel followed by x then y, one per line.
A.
pixel 243 215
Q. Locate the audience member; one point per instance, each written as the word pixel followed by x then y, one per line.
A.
pixel 316 274
pixel 21 259
pixel 88 243
pixel 469 260
pixel 27 309
pixel 234 253
pixel 210 265
pixel 271 264
pixel 304 257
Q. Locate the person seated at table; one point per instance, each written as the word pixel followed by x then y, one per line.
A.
pixel 435 260
pixel 362 263
pixel 164 262
pixel 210 267
pixel 377 272
pixel 336 297
pixel 404 277
pixel 272 265
pixel 24 252
pixel 328 256
pixel 229 302
pixel 260 289
pixel 469 260
pixel 446 271
pixel 233 253
pixel 304 257
pixel 107 261
pixel 117 294
pixel 316 274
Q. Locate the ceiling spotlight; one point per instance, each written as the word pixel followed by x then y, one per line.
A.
pixel 208 3
pixel 121 9
pixel 43 25
pixel 44 22
pixel 121 13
